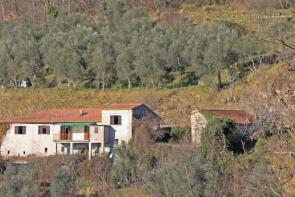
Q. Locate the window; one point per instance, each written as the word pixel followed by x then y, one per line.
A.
pixel 8 152
pixel 96 130
pixel 62 149
pixel 44 130
pixel 116 120
pixel 20 130
pixel 24 152
pixel 45 150
pixel 116 142
pixel 86 128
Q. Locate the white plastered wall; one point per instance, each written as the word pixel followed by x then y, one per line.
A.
pixel 30 143
pixel 122 132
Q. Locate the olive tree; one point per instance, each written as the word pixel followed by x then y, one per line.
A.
pixel 220 51
pixel 20 56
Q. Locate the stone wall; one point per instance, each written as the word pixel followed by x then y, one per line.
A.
pixel 198 123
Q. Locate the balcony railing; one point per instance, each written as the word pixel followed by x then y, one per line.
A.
pixel 69 137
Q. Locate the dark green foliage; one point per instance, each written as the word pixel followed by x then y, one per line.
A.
pixel 63 183
pixel 52 12
pixel 124 169
pixel 220 52
pixel 124 48
pixel 21 180
pixel 19 54
pixel 179 132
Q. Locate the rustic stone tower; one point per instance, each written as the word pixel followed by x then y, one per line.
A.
pixel 198 123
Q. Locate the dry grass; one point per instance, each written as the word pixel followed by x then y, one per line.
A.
pixel 252 20
pixel 129 192
pixel 174 105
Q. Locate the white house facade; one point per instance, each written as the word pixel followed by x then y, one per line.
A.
pixel 69 131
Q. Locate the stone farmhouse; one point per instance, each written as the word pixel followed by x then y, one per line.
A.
pixel 69 131
pixel 198 121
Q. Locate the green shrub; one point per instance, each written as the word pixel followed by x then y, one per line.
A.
pixel 20 181
pixel 124 169
pixel 184 177
pixel 260 144
pixel 209 8
pixel 63 183
pixel 178 133
pixel 183 80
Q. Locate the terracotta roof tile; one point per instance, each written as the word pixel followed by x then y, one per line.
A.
pixel 69 115
pixel 238 116
pixel 121 106
pixel 60 115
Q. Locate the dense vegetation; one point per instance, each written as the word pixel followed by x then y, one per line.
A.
pixel 246 51
pixel 211 169
pixel 122 48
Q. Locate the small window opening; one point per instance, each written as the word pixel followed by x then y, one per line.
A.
pixel 62 149
pixel 116 120
pixel 44 130
pixel 45 150
pixel 96 130
pixel 8 152
pixel 20 130
pixel 24 152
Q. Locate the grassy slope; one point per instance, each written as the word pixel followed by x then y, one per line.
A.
pixel 252 20
pixel 174 105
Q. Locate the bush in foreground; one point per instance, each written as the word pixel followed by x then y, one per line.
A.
pixel 124 169
pixel 20 181
pixel 63 183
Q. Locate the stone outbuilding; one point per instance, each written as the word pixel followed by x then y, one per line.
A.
pixel 199 121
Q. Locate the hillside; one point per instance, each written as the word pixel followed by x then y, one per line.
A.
pixel 166 102
pixel 176 57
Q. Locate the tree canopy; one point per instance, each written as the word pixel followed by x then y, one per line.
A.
pixel 123 47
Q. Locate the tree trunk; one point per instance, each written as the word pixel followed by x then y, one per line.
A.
pixel 219 80
pixel 15 82
pixel 35 9
pixel 69 6
pixel 153 84
pixel 103 84
pixel 97 85
pixel 15 8
pixel 129 83
pixel 58 82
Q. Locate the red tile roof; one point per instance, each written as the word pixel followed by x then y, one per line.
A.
pixel 238 116
pixel 121 106
pixel 69 115
pixel 60 115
